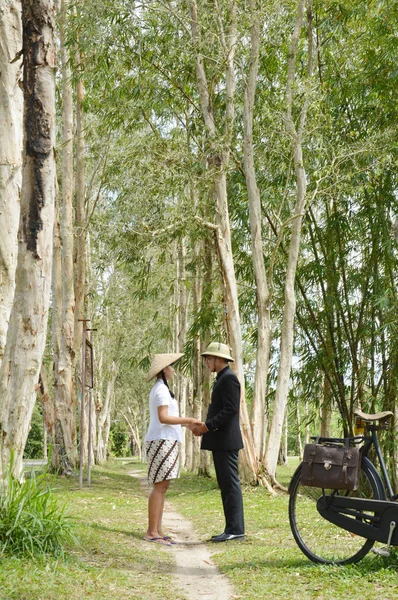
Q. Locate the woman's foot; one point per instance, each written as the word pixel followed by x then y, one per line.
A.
pixel 158 540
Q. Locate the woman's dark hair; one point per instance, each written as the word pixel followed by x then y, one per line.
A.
pixel 165 382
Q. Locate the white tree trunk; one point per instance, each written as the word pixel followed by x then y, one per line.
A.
pixel 64 398
pixel 47 409
pixel 11 133
pixel 26 336
pixel 182 321
pixel 299 441
pixel 197 366
pixel 104 419
pixel 286 345
pixel 257 415
pixel 131 420
pixel 218 162
pixel 80 227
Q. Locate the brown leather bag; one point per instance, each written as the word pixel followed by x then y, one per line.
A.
pixel 331 466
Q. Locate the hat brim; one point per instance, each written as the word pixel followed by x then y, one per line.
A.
pixel 160 362
pixel 219 355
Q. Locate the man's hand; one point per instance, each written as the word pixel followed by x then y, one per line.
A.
pixel 199 429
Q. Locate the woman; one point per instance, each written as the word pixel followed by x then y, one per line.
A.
pixel 162 439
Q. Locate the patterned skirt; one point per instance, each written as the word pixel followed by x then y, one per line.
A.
pixel 163 460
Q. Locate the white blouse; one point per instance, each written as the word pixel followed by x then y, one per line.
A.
pixel 160 396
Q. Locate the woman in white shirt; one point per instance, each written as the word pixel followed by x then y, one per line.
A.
pixel 162 439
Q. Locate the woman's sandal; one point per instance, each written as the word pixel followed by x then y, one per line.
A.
pixel 158 540
pixel 167 538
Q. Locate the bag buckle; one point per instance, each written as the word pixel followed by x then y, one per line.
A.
pixel 327 465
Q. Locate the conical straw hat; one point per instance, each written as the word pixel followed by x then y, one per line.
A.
pixel 218 349
pixel 160 362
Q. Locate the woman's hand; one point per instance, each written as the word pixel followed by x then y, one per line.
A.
pixel 192 423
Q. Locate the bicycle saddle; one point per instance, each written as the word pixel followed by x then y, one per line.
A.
pixel 381 416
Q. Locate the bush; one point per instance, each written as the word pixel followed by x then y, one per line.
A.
pixel 119 443
pixel 34 443
pixel 32 522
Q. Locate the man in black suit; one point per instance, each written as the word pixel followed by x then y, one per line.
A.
pixel 222 435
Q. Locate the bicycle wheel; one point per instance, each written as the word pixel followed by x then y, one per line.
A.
pixel 322 541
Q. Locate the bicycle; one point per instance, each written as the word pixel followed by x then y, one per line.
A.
pixel 340 526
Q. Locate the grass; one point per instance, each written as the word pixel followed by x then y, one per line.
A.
pixel 32 520
pixel 112 561
pixel 268 564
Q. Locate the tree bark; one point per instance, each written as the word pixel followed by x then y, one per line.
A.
pixel 47 407
pixel 65 400
pixel 80 229
pixel 26 335
pixel 257 414
pixel 286 345
pixel 218 159
pixel 11 146
pixel 103 419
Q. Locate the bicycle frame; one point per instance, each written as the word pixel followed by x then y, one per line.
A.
pixel 374 440
pixel 353 514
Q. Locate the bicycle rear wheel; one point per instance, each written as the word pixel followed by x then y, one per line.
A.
pixel 322 541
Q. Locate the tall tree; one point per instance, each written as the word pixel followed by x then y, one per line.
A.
pixel 11 129
pixel 26 335
pixel 263 351
pixel 64 396
pixel 219 144
pixel 296 133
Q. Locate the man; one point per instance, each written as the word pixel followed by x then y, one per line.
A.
pixel 222 435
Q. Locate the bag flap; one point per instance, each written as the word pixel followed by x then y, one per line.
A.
pixel 335 455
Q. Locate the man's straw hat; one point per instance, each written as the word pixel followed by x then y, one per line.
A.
pixel 218 349
pixel 160 362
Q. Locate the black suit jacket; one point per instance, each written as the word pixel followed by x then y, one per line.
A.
pixel 223 416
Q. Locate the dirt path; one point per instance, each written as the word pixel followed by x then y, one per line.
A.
pixel 195 573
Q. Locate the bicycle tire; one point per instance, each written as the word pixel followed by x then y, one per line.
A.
pixel 322 541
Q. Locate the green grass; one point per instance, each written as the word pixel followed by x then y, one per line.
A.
pixel 269 564
pixel 32 520
pixel 112 561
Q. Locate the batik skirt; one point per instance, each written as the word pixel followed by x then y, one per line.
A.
pixel 163 460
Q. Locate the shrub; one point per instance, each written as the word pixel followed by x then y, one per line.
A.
pixel 119 443
pixel 32 522
pixel 34 443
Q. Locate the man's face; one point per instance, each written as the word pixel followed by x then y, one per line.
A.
pixel 211 363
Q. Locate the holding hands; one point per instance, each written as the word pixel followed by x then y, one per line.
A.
pixel 198 428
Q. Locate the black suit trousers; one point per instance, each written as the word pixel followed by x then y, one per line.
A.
pixel 226 465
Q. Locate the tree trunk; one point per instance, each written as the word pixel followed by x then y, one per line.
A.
pixel 131 420
pixel 197 368
pixel 257 415
pixel 299 441
pixel 80 228
pixel 103 419
pixel 26 336
pixel 47 407
pixel 218 160
pixel 326 409
pixel 11 146
pixel 286 345
pixel 65 400
pixel 182 325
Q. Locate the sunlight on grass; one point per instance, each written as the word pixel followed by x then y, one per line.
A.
pixel 112 561
pixel 268 564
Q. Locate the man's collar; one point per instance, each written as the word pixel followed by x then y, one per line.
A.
pixel 222 371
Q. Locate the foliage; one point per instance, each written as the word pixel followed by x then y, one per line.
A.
pixel 34 443
pixel 32 520
pixel 119 442
pixel 268 564
pixel 110 561
pixel 113 561
pixel 150 192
